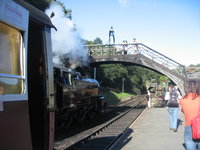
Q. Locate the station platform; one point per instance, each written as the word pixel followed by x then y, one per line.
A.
pixel 151 131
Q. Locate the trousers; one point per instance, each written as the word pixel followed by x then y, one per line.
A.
pixel 173 117
pixel 190 144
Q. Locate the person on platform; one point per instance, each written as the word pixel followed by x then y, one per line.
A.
pixel 173 96
pixel 149 98
pixel 190 106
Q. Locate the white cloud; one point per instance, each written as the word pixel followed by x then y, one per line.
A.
pixel 124 3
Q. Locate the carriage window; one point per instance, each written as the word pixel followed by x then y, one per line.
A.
pixel 11 61
pixel 65 78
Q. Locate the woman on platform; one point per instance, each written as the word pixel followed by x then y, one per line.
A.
pixel 190 106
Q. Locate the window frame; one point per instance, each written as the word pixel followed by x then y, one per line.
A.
pixel 23 60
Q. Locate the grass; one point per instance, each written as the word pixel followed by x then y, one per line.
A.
pixel 121 95
pixel 113 98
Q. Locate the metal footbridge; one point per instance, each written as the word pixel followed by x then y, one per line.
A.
pixel 139 54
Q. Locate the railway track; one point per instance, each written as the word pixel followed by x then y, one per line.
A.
pixel 102 136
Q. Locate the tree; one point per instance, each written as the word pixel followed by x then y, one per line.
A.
pixel 111 75
pixel 98 41
pixel 44 4
pixel 164 79
pixel 135 77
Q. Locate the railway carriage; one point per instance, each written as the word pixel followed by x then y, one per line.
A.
pixel 26 78
pixel 29 101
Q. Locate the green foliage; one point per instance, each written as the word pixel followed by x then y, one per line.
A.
pixel 44 4
pixel 67 12
pixel 97 40
pixel 192 65
pixel 135 77
pixel 164 79
pixel 111 75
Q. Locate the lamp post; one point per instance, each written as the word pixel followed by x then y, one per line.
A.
pixel 123 84
pixel 95 72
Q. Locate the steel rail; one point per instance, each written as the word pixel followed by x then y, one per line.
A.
pixel 98 131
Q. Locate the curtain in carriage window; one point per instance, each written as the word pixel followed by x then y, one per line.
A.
pixel 11 60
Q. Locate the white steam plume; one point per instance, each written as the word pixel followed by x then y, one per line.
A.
pixel 66 41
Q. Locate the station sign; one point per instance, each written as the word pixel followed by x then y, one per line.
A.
pixel 14 14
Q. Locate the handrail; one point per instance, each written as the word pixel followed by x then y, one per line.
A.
pixel 136 48
pixel 11 76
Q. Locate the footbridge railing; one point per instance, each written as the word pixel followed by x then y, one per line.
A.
pixel 147 56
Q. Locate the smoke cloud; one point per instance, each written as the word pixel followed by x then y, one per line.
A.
pixel 66 41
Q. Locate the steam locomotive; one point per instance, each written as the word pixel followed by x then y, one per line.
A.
pixel 34 97
pixel 76 97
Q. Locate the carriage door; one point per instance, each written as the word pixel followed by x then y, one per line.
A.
pixel 14 118
pixel 40 86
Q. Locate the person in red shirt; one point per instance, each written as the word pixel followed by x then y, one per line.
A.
pixel 190 105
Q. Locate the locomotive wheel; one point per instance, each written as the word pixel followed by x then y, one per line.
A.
pixel 80 116
pixel 68 120
pixel 64 121
pixel 91 115
pixel 59 125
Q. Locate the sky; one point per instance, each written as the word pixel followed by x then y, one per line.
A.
pixel 171 27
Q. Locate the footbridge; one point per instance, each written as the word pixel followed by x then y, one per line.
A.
pixel 139 54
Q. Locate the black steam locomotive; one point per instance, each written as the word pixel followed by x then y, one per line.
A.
pixel 76 98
